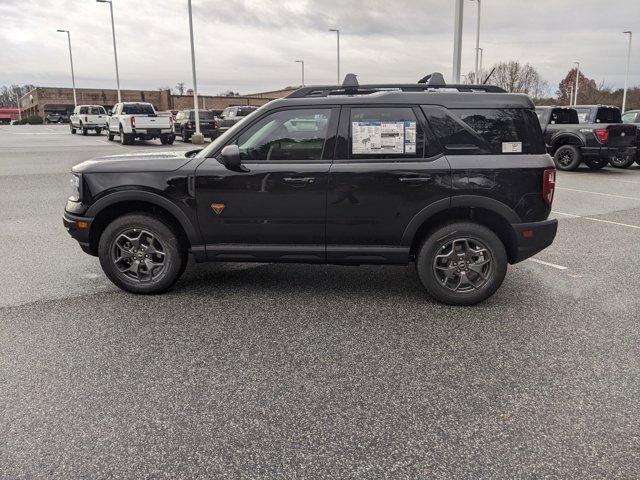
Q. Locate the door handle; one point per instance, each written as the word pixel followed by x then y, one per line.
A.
pixel 415 179
pixel 299 179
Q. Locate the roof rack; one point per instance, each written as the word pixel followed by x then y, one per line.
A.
pixel 350 86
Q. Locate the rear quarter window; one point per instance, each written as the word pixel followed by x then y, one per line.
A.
pixel 487 131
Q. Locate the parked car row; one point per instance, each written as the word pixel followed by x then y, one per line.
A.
pixel 592 134
pixel 140 120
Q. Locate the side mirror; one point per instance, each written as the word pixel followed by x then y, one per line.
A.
pixel 230 157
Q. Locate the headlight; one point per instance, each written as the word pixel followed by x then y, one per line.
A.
pixel 74 193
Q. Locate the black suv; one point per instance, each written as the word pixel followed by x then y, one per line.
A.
pixel 452 177
pixel 184 124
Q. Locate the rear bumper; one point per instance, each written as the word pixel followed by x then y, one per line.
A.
pixel 151 132
pixel 606 152
pixel 81 235
pixel 532 238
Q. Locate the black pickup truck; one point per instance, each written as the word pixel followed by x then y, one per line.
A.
pixel 571 141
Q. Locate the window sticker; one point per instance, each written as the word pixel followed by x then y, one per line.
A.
pixel 376 137
pixel 511 147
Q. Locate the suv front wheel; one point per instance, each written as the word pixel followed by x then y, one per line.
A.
pixel 462 263
pixel 140 253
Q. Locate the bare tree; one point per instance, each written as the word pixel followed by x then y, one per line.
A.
pixel 179 88
pixel 9 94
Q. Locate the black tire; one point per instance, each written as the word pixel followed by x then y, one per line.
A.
pixel 186 138
pixel 596 163
pixel 126 138
pixel 567 157
pixel 110 136
pixel 447 239
pixel 160 278
pixel 73 130
pixel 167 139
pixel 83 130
pixel 621 161
pixel 98 131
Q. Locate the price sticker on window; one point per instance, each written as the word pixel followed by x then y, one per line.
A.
pixel 511 147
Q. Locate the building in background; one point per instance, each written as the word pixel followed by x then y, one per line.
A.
pixel 44 100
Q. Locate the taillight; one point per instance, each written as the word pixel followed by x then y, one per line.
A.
pixel 602 135
pixel 133 122
pixel 170 121
pixel 189 125
pixel 548 185
pixel 86 119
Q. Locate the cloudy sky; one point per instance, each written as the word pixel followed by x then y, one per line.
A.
pixel 251 45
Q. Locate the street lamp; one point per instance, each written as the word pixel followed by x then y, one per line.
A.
pixel 479 80
pixel 197 136
pixel 301 62
pixel 115 52
pixel 575 90
pixel 457 41
pixel 73 78
pixel 626 76
pixel 338 40
pixel 478 40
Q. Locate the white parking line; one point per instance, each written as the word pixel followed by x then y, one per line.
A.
pixel 598 220
pixel 559 267
pixel 598 193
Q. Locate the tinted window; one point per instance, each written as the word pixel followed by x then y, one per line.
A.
pixel 608 115
pixel 385 132
pixel 137 109
pixel 286 135
pixel 564 116
pixel 244 111
pixel 203 114
pixel 96 110
pixel 486 131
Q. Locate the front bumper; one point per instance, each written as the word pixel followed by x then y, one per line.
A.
pixel 607 152
pixel 532 238
pixel 78 230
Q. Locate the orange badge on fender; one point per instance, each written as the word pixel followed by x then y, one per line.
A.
pixel 217 208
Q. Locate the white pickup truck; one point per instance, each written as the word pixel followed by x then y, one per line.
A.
pixel 88 117
pixel 131 120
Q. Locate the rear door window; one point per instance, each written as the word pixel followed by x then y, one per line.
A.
pixel 487 131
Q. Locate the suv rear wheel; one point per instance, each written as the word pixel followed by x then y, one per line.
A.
pixel 462 263
pixel 622 161
pixel 140 253
pixel 567 157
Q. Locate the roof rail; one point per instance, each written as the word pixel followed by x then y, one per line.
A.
pixel 350 86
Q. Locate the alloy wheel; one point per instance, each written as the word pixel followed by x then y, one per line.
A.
pixel 138 255
pixel 463 265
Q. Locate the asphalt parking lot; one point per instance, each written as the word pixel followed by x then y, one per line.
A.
pixel 295 371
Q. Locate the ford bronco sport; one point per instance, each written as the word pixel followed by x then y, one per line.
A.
pixel 452 177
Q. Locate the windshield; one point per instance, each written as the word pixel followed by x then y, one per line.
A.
pixel 138 109
pixel 224 138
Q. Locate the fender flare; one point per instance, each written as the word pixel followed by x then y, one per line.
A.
pixel 470 201
pixel 561 135
pixel 191 231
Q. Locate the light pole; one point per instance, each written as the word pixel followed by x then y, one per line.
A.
pixel 338 40
pixel 73 78
pixel 575 90
pixel 479 79
pixel 301 62
pixel 478 40
pixel 197 136
pixel 626 76
pixel 115 51
pixel 457 41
